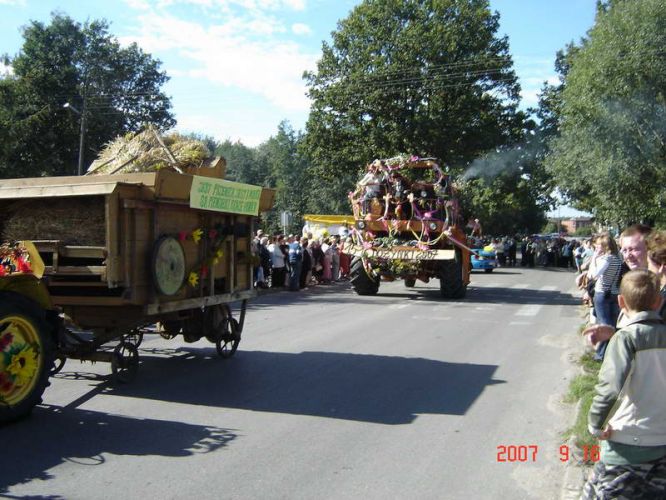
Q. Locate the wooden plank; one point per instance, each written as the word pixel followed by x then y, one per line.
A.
pixel 81 284
pixel 76 270
pixel 113 261
pixel 211 300
pixel 172 185
pixel 147 178
pixel 67 300
pixel 82 252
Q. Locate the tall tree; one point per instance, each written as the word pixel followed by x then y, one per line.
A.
pixel 65 62
pixel 288 173
pixel 422 77
pixel 610 156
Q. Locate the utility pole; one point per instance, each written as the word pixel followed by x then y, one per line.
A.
pixel 82 131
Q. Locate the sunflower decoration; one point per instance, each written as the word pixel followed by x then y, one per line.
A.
pixel 23 365
pixel 193 279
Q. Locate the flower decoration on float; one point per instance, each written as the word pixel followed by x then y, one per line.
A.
pixel 14 259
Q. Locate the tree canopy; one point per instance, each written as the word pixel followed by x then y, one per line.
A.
pixel 412 76
pixel 610 156
pixel 430 78
pixel 118 88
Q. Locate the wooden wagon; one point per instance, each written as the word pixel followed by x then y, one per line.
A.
pixel 120 253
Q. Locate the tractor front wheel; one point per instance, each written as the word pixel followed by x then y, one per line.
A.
pixel 361 282
pixel 26 355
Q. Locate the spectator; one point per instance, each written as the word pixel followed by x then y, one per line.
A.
pixel 295 258
pixel 327 261
pixel 265 259
pixel 335 258
pixel 605 269
pixel 656 261
pixel 278 262
pixel 306 267
pixel 628 413
pixel 317 262
pixel 633 248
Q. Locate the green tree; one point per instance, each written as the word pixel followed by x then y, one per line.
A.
pixel 411 76
pixel 118 89
pixel 288 173
pixel 243 164
pixel 610 157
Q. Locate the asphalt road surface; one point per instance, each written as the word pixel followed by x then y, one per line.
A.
pixel 331 396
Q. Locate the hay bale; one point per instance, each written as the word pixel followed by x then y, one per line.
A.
pixel 148 152
pixel 74 221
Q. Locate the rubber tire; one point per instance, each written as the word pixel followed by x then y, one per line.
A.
pixel 15 304
pixel 451 284
pixel 410 282
pixel 489 270
pixel 361 283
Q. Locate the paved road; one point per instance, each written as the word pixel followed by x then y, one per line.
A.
pixel 330 395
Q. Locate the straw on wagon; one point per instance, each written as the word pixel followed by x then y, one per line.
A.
pixel 147 151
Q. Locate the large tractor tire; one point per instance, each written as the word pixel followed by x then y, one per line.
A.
pixel 451 282
pixel 361 283
pixel 26 355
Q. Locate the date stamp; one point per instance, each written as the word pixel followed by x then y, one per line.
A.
pixel 529 452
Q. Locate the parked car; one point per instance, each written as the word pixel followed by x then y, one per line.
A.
pixel 484 259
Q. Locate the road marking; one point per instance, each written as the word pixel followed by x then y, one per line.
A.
pixel 520 323
pixel 529 310
pixel 548 288
pixel 520 285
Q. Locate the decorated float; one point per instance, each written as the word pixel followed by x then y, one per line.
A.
pixel 407 226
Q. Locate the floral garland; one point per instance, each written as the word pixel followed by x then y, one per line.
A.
pixel 14 259
pixel 215 237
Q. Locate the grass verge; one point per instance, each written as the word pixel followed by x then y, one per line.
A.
pixel 581 389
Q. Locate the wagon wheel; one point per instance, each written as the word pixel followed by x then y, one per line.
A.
pixel 124 362
pixel 134 337
pixel 227 343
pixel 169 329
pixel 26 356
pixel 59 364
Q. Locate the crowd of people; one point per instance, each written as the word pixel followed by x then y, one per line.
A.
pixel 534 250
pixel 298 262
pixel 624 283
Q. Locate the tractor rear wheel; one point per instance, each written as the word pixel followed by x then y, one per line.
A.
pixel 451 282
pixel 361 282
pixel 26 355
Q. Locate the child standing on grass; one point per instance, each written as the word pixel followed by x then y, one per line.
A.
pixel 628 413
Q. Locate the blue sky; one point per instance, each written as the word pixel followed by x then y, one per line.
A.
pixel 236 65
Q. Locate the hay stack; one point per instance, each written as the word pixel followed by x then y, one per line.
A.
pixel 148 152
pixel 73 221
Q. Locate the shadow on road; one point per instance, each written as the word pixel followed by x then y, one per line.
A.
pixel 53 435
pixel 362 387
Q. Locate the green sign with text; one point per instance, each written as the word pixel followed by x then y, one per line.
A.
pixel 224 196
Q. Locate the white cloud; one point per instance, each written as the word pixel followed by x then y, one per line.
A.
pixel 242 53
pixel 13 3
pixel 6 70
pixel 531 87
pixel 251 131
pixel 301 29
pixel 137 4
pixel 253 5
